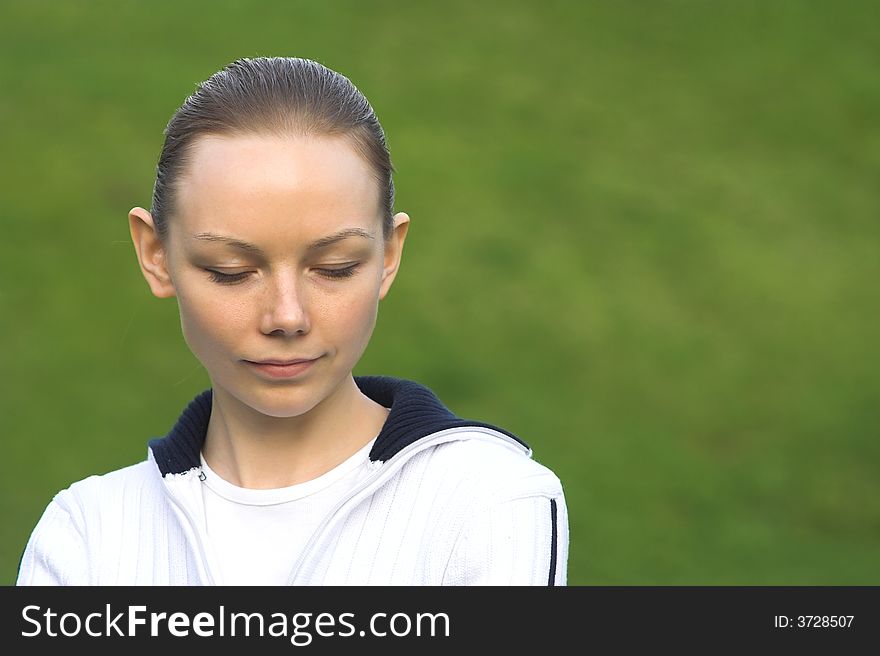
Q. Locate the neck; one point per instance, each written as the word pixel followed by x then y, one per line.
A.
pixel 254 450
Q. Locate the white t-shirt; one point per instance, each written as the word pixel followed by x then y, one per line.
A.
pixel 259 534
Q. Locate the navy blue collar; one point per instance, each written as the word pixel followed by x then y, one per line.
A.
pixel 415 412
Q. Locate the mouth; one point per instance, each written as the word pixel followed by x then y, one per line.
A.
pixel 282 363
pixel 282 368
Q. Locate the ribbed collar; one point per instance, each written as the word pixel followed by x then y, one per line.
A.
pixel 415 412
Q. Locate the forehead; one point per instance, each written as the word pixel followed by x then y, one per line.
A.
pixel 265 188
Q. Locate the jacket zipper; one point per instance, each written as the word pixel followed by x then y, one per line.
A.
pixel 195 536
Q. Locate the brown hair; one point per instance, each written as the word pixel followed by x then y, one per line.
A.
pixel 279 95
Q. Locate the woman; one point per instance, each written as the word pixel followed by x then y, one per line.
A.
pixel 272 225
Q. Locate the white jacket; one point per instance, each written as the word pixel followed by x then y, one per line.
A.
pixel 449 502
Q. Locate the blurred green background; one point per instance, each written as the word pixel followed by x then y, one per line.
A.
pixel 644 237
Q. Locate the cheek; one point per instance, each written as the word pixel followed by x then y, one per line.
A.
pixel 351 316
pixel 207 322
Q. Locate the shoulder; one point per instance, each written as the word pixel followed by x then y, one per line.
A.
pixel 500 515
pixel 59 550
pixel 108 489
pixel 490 467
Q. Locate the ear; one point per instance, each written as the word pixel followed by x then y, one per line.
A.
pixel 393 251
pixel 151 252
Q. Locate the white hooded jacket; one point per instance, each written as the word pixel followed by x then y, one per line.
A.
pixel 448 501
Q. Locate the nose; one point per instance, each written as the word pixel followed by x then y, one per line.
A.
pixel 285 312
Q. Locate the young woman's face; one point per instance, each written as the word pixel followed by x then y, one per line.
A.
pixel 276 253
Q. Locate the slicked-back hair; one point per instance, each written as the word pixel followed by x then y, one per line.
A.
pixel 272 95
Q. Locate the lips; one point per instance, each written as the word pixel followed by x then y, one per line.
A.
pixel 278 368
pixel 282 362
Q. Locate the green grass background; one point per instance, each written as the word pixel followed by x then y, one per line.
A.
pixel 644 237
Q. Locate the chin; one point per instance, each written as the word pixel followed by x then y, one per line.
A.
pixel 289 402
pixel 283 400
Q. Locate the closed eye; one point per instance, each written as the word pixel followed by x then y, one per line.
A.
pixel 344 272
pixel 226 278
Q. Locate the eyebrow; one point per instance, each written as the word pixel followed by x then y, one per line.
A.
pixel 323 242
